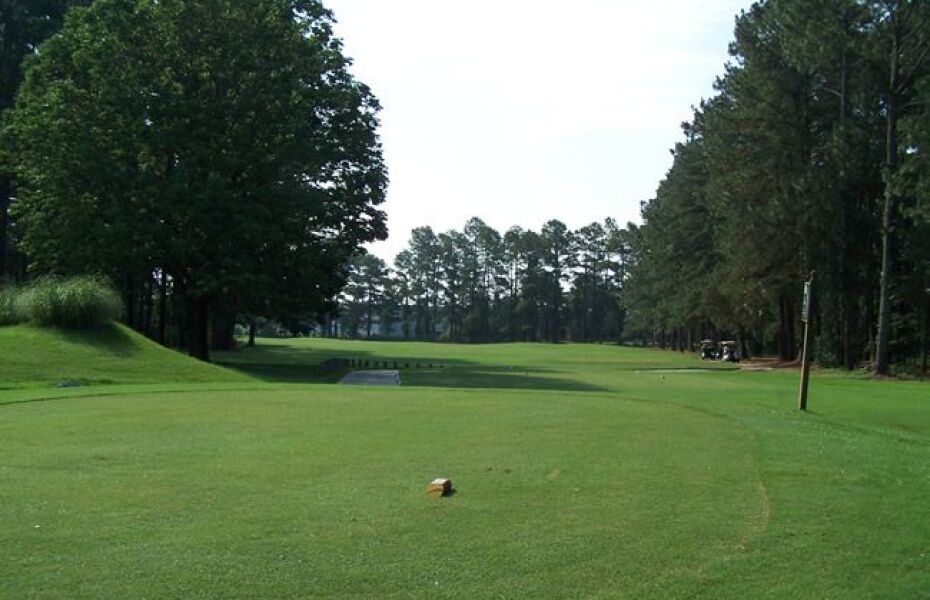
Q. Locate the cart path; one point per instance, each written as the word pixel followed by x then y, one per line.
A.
pixel 372 378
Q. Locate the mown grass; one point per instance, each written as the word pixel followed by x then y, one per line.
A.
pixel 579 367
pixel 583 475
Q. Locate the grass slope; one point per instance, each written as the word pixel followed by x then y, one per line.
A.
pixel 35 356
pixel 584 474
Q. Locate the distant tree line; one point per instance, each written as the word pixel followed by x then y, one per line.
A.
pixel 478 285
pixel 812 156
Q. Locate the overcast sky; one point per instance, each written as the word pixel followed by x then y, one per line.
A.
pixel 521 111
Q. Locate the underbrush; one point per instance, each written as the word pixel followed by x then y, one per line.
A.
pixel 910 371
pixel 75 303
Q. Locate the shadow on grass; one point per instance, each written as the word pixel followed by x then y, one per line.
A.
pixel 491 377
pixel 289 364
pixel 108 339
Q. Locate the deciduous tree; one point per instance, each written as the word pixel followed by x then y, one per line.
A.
pixel 223 142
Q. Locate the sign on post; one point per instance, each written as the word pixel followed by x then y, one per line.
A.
pixel 805 353
pixel 806 309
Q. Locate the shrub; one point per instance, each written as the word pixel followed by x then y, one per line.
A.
pixel 10 310
pixel 79 302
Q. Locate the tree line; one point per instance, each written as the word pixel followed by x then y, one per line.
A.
pixel 217 161
pixel 478 285
pixel 811 156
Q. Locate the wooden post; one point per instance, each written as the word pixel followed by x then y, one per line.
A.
pixel 806 352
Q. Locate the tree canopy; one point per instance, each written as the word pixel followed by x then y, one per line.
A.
pixel 221 145
pixel 217 161
pixel 798 164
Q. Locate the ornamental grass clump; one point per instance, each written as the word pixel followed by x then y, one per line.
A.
pixel 76 303
pixel 10 310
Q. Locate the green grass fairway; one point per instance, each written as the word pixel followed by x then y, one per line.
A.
pixel 581 472
pixel 549 366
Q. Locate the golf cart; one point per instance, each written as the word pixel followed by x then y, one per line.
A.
pixel 730 352
pixel 708 350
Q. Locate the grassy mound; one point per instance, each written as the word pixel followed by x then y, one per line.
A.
pixel 34 356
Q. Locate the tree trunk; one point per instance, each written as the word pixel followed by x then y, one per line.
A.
pixel 405 312
pixel 149 305
pixel 252 327
pixel 845 354
pixel 162 306
pixel 782 339
pixel 6 189
pixel 882 366
pixel 20 266
pixel 926 333
pixel 222 330
pixel 198 328
pixel 129 299
pixel 556 318
pixel 368 318
pixel 787 346
pixel 586 304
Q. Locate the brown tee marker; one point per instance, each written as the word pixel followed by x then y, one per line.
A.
pixel 439 487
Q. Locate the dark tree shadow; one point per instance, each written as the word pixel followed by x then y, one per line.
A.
pixel 291 364
pixel 490 377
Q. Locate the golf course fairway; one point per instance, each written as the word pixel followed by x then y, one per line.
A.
pixel 581 471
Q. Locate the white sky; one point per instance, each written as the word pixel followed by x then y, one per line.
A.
pixel 521 111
